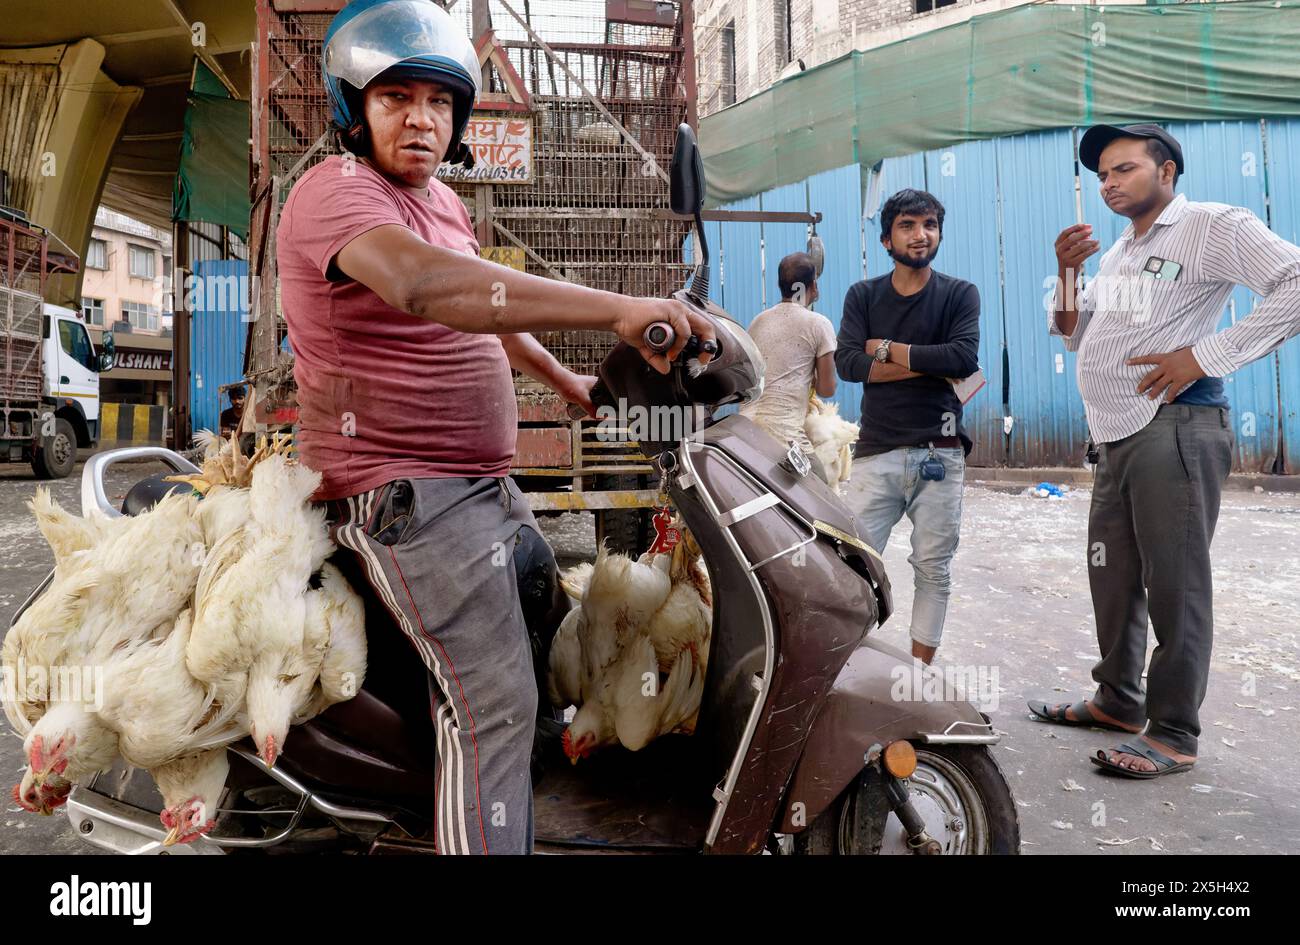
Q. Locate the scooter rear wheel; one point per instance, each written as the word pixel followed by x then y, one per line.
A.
pixel 959 791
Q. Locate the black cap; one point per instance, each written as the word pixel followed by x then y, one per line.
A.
pixel 1096 138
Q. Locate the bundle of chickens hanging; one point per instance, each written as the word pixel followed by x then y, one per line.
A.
pixel 632 655
pixel 210 617
pixel 832 438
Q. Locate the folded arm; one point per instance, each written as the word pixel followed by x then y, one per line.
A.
pixel 957 357
pixel 852 360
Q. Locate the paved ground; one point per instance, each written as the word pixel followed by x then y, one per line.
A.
pixel 1021 608
pixel 1021 605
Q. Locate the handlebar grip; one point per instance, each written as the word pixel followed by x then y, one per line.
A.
pixel 659 337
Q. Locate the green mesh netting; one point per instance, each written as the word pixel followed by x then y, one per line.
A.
pixel 1027 69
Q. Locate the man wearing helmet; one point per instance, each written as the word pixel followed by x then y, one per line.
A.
pixel 404 340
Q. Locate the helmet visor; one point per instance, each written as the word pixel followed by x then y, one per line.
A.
pixel 396 32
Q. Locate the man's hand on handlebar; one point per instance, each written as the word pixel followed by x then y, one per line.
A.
pixel 576 390
pixel 686 321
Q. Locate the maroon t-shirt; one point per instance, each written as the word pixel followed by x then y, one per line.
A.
pixel 384 395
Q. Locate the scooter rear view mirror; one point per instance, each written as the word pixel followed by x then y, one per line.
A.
pixel 687 177
pixel 687 198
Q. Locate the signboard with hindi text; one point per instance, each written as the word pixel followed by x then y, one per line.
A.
pixel 502 149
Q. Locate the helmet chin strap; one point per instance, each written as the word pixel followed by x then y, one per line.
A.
pixel 358 139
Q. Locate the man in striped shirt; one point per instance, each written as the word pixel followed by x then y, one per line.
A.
pixel 1150 365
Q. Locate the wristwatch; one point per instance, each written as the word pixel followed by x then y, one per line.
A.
pixel 882 351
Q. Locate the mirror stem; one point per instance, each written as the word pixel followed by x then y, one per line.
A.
pixel 699 289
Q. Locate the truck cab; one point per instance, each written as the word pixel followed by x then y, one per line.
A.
pixel 71 377
pixel 69 413
pixel 70 385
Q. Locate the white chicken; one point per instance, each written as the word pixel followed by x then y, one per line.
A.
pixel 220 585
pixel 251 640
pixel 163 717
pixel 336 614
pixel 633 655
pixel 832 438
pixel 191 788
pixel 564 679
pixel 104 600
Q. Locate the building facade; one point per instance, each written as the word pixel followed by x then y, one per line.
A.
pixel 127 289
pixel 743 46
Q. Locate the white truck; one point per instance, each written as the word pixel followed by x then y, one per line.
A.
pixel 49 370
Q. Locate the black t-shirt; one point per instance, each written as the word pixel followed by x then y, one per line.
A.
pixel 229 418
pixel 941 323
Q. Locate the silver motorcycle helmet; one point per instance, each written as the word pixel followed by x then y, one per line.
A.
pixel 408 38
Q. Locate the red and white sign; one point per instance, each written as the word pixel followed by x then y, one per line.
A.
pixel 502 149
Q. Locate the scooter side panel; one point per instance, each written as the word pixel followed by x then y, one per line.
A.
pixel 761 453
pixel 866 708
pixel 821 611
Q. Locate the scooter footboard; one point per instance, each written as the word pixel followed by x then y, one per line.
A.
pixel 882 695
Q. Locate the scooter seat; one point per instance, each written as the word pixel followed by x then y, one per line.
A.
pixel 149 491
pixel 383 730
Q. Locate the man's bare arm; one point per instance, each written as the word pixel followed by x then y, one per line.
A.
pixel 824 375
pixel 888 372
pixel 1073 246
pixel 473 295
pixel 527 355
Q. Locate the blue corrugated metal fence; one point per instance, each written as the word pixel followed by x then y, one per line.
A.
pixel 218 297
pixel 1006 201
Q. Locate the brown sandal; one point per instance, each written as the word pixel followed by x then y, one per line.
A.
pixel 1055 714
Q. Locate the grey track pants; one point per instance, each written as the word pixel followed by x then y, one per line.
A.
pixel 1155 503
pixel 439 554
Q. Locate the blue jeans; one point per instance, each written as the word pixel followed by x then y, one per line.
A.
pixel 891 487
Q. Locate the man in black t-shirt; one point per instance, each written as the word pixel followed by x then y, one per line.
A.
pixel 906 336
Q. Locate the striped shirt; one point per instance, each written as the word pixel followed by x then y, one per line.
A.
pixel 1166 290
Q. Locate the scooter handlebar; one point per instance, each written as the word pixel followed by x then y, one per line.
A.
pixel 659 337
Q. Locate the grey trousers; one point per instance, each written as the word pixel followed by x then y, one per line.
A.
pixel 439 554
pixel 1155 503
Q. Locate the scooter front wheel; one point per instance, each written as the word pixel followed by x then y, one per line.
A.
pixel 959 791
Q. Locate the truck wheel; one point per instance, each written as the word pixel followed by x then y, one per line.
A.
pixel 57 453
pixel 959 791
pixel 627 531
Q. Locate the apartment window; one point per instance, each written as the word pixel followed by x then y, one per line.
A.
pixel 140 315
pixel 92 310
pixel 97 255
pixel 728 80
pixel 784 32
pixel 928 6
pixel 141 261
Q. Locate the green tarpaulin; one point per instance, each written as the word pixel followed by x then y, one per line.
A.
pixel 212 182
pixel 1026 69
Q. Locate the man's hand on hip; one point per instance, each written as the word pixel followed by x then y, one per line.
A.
pixel 640 314
pixel 1172 374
